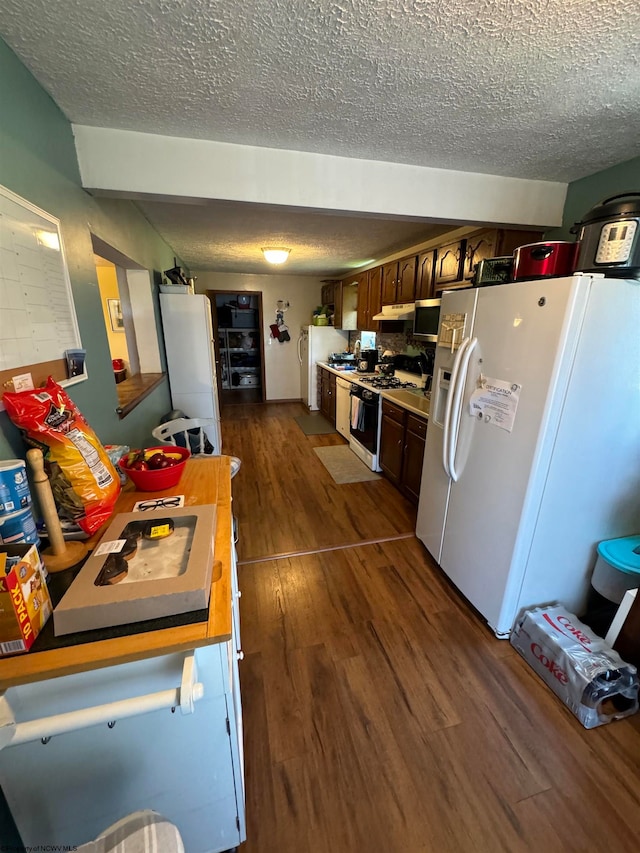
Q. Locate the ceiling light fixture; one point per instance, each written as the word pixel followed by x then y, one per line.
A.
pixel 275 254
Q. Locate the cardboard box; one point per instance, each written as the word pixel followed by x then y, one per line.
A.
pixel 25 604
pixel 147 565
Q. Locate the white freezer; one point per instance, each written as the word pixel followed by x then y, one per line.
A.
pixel 514 517
pixel 315 344
pixel 188 338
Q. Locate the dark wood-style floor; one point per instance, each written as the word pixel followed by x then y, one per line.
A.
pixel 380 713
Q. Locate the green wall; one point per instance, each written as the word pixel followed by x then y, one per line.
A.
pixel 38 162
pixel 582 195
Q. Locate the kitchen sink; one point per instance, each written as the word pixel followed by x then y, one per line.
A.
pixel 409 399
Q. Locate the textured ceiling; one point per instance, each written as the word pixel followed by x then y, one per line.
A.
pixel 544 89
pixel 228 236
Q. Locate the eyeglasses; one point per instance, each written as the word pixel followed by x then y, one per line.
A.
pixel 159 503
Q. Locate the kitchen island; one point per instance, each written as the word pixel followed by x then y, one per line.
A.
pixel 85 735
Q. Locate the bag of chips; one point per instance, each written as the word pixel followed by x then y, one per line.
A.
pixel 84 483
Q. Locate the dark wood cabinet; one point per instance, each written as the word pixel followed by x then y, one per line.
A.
pixel 392 441
pixel 369 299
pixel 327 296
pixel 449 264
pixel 424 276
pixel 415 437
pixel 399 280
pixel 328 395
pixel 402 441
pixel 341 297
pixel 456 262
pixel 482 245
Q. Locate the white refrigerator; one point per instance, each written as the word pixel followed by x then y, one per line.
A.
pixel 315 344
pixel 191 363
pixel 533 446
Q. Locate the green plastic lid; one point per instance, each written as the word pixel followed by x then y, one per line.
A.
pixel 623 554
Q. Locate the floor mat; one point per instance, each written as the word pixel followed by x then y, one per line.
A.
pixel 314 424
pixel 343 465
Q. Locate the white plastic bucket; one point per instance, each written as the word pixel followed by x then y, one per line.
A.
pixel 15 495
pixel 18 527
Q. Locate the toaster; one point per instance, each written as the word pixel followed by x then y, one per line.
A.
pixel 493 271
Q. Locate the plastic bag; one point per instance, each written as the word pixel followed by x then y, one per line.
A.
pixel 84 483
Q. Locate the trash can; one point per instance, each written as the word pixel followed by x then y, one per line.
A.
pixel 617 568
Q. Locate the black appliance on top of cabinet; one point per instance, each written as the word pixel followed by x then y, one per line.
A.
pixel 609 236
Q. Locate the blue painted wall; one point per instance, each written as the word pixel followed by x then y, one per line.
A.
pixel 582 195
pixel 38 162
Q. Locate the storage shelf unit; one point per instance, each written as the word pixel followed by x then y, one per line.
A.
pixel 240 358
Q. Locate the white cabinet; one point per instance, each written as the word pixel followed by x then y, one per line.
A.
pixel 189 767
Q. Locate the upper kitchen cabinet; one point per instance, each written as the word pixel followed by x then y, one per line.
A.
pixel 327 294
pixel 342 299
pixel 456 262
pixel 449 264
pixel 399 281
pixel 369 299
pixel 424 277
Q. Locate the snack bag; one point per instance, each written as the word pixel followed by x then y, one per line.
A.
pixel 84 483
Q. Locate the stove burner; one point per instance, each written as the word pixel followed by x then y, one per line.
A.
pixel 386 382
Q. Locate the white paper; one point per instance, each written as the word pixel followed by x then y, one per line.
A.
pixel 495 402
pixel 113 547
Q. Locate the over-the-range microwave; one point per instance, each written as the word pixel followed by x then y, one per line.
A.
pixel 426 320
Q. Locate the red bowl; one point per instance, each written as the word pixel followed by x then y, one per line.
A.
pixel 162 478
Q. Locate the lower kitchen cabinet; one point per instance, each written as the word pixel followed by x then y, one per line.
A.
pixel 402 441
pixel 328 394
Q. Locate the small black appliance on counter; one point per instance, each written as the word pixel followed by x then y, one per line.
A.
pixel 367 361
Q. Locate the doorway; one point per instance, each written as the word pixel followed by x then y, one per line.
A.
pixel 239 346
pixel 116 313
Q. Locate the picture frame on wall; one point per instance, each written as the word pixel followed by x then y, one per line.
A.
pixel 115 315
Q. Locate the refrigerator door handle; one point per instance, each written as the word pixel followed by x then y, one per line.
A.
pixel 455 408
pixel 446 436
pixel 300 349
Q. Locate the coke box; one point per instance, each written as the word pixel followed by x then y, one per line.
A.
pixel 587 674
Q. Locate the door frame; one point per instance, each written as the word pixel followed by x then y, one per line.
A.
pixel 211 294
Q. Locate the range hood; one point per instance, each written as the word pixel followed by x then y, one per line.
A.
pixel 402 311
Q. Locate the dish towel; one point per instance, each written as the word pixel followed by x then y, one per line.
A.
pixel 356 410
pixel 362 417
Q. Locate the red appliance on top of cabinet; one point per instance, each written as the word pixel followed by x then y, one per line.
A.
pixel 544 260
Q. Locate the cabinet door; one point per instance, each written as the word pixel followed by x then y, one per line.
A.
pixel 479 246
pixel 389 282
pixel 406 287
pixel 391 448
pixel 414 442
pixel 337 304
pixel 375 299
pixel 327 294
pixel 449 260
pixel 508 240
pixel 424 278
pixel 363 301
pixel 331 408
pixel 325 393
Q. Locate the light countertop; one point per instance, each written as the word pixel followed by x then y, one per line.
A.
pixel 411 399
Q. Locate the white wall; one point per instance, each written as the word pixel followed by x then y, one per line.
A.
pixel 282 369
pixel 132 163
